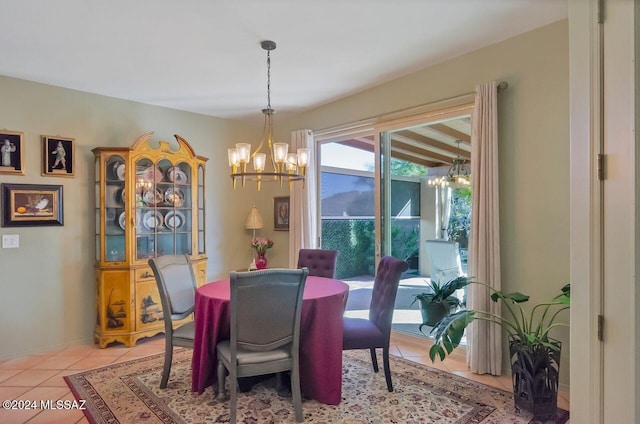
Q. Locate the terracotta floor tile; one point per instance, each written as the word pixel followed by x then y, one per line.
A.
pixel 13 392
pixel 45 393
pixel 393 350
pixel 480 378
pixel 92 362
pixel 4 374
pixel 22 363
pixel 58 416
pixel 58 362
pixel 424 360
pixel 17 416
pixel 29 378
pixel 79 350
pixel 58 379
pixel 51 352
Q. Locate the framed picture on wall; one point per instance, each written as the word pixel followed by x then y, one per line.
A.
pixel 281 213
pixel 58 156
pixel 11 152
pixel 31 205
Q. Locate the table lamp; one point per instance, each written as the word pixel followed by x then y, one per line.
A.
pixel 254 221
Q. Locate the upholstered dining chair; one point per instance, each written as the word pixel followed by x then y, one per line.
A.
pixel 372 333
pixel 177 286
pixel 265 308
pixel 321 262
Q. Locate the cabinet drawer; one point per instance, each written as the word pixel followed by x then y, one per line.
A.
pixel 144 274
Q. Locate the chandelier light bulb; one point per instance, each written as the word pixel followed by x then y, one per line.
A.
pixel 303 156
pixel 280 152
pixel 259 161
pixel 244 152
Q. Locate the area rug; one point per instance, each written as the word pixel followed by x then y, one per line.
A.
pixel 129 392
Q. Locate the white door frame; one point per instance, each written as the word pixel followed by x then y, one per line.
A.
pixel 604 213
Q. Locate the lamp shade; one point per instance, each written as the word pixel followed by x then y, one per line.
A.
pixel 254 220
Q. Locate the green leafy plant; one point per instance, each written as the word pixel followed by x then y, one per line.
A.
pixel 441 294
pixel 529 329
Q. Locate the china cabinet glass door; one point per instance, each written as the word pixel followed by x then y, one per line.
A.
pixel 163 208
pixel 115 216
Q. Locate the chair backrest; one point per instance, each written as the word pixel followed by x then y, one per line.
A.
pixel 176 284
pixel 444 257
pixel 321 262
pixel 265 308
pixel 385 288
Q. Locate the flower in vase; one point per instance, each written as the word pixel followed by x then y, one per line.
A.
pixel 261 245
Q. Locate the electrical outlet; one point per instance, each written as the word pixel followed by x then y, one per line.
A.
pixel 10 241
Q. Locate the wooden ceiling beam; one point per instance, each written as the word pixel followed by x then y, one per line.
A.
pixel 421 139
pixel 395 144
pixel 442 128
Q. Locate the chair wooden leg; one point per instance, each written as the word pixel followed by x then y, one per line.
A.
pixel 295 393
pixel 233 390
pixel 374 359
pixel 222 370
pixel 168 357
pixel 387 370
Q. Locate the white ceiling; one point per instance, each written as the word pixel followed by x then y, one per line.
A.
pixel 204 56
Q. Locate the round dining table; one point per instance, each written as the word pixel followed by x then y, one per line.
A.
pixel 323 304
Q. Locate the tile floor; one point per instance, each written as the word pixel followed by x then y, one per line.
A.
pixel 40 377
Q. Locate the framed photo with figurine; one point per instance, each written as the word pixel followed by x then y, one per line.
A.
pixel 11 152
pixel 58 156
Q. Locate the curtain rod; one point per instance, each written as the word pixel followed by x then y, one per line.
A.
pixel 502 85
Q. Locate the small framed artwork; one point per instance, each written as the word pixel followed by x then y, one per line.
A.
pixel 31 205
pixel 11 152
pixel 281 213
pixel 57 156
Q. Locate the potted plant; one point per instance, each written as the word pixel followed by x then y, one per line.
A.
pixel 439 303
pixel 535 357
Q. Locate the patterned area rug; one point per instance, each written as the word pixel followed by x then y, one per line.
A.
pixel 129 392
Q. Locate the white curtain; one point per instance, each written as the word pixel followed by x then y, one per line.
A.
pixel 443 211
pixel 303 224
pixel 484 353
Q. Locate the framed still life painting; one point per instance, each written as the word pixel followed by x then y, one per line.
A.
pixel 31 205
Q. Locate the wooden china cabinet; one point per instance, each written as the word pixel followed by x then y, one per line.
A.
pixel 149 202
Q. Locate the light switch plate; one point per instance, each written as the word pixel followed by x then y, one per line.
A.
pixel 10 241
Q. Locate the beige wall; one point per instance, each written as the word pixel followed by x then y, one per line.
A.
pixel 46 286
pixel 533 147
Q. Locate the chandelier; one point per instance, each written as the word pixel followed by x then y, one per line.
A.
pixel 458 176
pixel 282 166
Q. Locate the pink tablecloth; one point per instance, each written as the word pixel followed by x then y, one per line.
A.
pixel 320 336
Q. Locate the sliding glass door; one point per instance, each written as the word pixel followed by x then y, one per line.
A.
pixel 348 204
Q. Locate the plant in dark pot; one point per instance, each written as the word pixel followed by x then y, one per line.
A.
pixel 535 357
pixel 439 303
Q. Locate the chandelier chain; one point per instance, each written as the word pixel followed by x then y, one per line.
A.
pixel 269 79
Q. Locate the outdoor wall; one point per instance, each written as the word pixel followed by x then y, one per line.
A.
pixel 533 147
pixel 47 285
